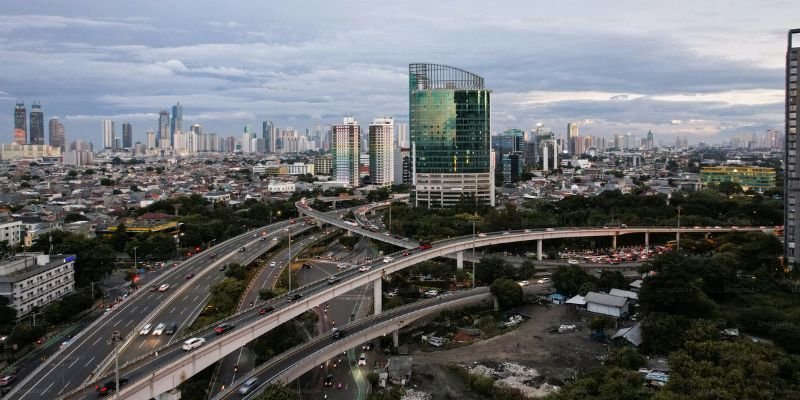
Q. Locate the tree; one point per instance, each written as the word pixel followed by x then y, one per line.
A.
pixel 612 280
pixel 266 294
pixel 7 316
pixel 236 271
pixel 275 391
pixel 508 293
pixel 492 268
pixel 729 188
pixel 568 280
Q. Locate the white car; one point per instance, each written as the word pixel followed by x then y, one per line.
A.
pixel 481 235
pixel 524 283
pixel 272 264
pixel 193 343
pixel 431 293
pixel 543 280
pixel 364 268
pixel 275 239
pixel 362 361
pixel 572 262
pixel 549 230
pixel 146 329
pixel 388 259
pixel 163 288
pixel 341 267
pixel 159 329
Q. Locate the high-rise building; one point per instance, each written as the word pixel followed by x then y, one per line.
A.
pixel 268 134
pixel 37 124
pixel 791 177
pixel 163 139
pixel 381 154
pixel 573 138
pixel 176 123
pixel 449 123
pixel 402 135
pixel 127 135
pixel 152 143
pixel 649 144
pixel 345 148
pixel 56 129
pixel 20 123
pixel 108 134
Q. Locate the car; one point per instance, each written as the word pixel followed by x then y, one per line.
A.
pixel 362 360
pixel 527 231
pixel 481 234
pixel 262 239
pixel 193 343
pixel 243 249
pixel 153 288
pixel 334 279
pixel 338 334
pixel 549 230
pixel 431 293
pixel 294 298
pixel 696 227
pixel 506 232
pixel 163 288
pixel 189 276
pixel 212 255
pixel 573 261
pixel 364 268
pixel 275 239
pixel 223 267
pixel 8 380
pixel 717 227
pixel 272 264
pixel 388 259
pixel 110 387
pixel 341 267
pixel 248 386
pixel 146 329
pixel 172 329
pixel 367 346
pixel 224 328
pixel 328 380
pixel 267 309
pixel 524 283
pixel 159 329
pixel 543 280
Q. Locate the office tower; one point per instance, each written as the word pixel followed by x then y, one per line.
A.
pixel 450 136
pixel 573 138
pixel 402 135
pixel 381 154
pixel 268 134
pixel 247 137
pixel 56 129
pixel 791 177
pixel 176 123
pixel 152 143
pixel 108 134
pixel 619 141
pixel 36 131
pixel 649 144
pixel 345 147
pixel 20 123
pixel 163 139
pixel 127 135
pixel 627 141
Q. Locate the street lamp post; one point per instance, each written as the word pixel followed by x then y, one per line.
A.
pixel 290 257
pixel 473 254
pixel 135 266
pixel 678 238
pixel 116 338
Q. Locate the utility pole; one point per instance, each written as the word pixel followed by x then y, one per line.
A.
pixel 678 239
pixel 473 254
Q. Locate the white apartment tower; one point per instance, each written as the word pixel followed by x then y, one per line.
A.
pixel 381 154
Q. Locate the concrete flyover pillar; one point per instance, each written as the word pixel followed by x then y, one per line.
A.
pixel 647 239
pixel 539 254
pixel 377 295
pixel 396 338
pixel 460 260
pixel 349 233
pixel 614 242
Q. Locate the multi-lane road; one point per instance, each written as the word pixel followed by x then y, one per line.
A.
pixel 76 363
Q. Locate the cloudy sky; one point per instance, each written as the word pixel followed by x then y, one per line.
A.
pixel 706 69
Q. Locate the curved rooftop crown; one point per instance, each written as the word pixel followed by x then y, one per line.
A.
pixel 435 76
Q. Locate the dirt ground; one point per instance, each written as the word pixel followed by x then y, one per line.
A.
pixel 556 357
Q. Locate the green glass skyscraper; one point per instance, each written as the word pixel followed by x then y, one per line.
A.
pixel 450 136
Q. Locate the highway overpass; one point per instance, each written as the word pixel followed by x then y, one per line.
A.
pixel 154 375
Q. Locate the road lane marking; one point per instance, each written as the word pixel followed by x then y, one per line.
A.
pixel 89 362
pixel 96 340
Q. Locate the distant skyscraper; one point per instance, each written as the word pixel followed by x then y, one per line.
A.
pixel 109 136
pixel 56 129
pixel 791 184
pixel 127 135
pixel 163 140
pixel 176 124
pixel 152 143
pixel 619 141
pixel 573 138
pixel 37 124
pixel 268 134
pixel 20 123
pixel 649 144
pixel 402 135
pixel 345 147
pixel 450 136
pixel 381 152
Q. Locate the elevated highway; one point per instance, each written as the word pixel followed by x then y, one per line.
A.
pixel 154 375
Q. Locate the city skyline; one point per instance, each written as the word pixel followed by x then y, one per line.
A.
pixel 705 77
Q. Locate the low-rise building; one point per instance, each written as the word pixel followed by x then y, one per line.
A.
pixel 756 178
pixel 606 304
pixel 281 187
pixel 11 232
pixel 35 279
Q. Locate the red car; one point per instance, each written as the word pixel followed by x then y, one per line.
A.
pixel 266 310
pixel 223 328
pixel 189 276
